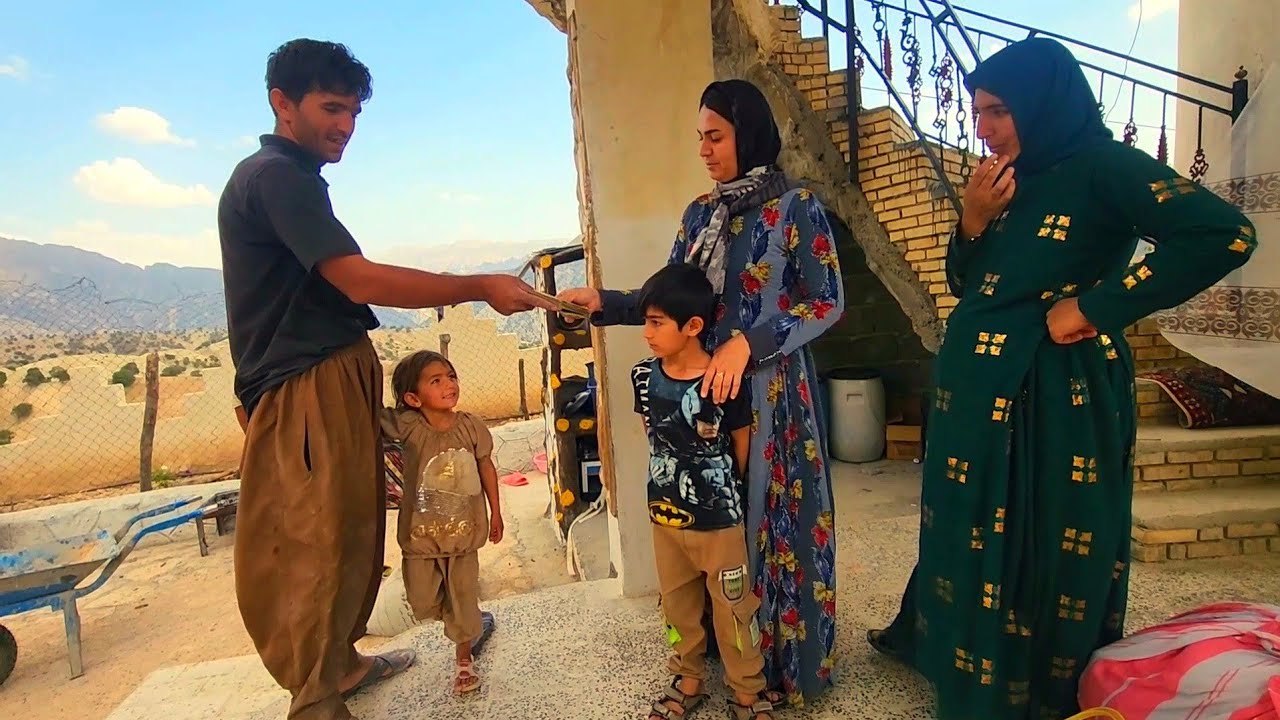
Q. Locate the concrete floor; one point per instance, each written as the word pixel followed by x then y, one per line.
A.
pixel 580 651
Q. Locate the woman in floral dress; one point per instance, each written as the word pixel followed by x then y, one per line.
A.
pixel 767 248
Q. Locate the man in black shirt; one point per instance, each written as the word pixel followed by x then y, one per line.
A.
pixel 309 539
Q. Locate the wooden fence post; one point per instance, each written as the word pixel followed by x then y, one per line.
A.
pixel 149 422
pixel 524 400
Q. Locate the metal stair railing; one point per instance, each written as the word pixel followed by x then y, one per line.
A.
pixel 956 38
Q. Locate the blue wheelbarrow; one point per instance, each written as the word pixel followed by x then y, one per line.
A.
pixel 49 575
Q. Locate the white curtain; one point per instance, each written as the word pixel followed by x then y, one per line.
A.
pixel 1235 325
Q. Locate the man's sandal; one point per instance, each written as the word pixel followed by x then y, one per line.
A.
pixel 466 680
pixel 384 666
pixel 760 708
pixel 672 694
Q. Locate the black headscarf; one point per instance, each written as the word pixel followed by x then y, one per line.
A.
pixel 757 144
pixel 747 110
pixel 1053 107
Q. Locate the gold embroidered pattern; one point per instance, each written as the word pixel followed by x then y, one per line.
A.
pixel 944 589
pixel 1246 242
pixel 988 671
pixel 998 525
pixel 1118 570
pixel 1063 668
pixel 1079 391
pixel 990 343
pixel 1019 692
pixel 1084 470
pixel 922 624
pixel 989 283
pixel 975 538
pixel 964 660
pixel 1013 627
pixel 1068 290
pixel 1165 190
pixel 958 470
pixel 437 529
pixel 736 225
pixel 1076 541
pixel 990 596
pixel 1000 412
pixel 1135 276
pixel 1055 226
pixel 1105 342
pixel 943 400
pixel 1070 608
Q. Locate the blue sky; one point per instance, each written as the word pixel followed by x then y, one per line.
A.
pixel 467 141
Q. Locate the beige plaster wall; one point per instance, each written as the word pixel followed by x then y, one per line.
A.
pixel 1215 37
pixel 637 70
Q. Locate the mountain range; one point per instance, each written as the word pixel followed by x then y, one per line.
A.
pixel 62 289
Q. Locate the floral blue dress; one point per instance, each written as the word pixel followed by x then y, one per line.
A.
pixel 783 289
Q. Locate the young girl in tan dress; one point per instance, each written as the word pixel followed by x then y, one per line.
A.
pixel 450 506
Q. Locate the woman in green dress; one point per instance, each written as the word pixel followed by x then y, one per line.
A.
pixel 1025 510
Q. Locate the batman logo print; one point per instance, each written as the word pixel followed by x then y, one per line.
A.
pixel 668 515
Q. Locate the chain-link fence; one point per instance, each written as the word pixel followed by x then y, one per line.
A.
pixel 102 395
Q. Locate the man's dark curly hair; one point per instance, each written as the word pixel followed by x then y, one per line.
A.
pixel 303 65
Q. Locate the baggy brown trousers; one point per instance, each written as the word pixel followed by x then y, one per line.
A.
pixel 310 526
pixel 691 564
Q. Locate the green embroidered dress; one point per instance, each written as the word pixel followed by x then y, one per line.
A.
pixel 1025 512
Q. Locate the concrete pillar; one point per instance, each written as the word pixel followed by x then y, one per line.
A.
pixel 1216 37
pixel 637 69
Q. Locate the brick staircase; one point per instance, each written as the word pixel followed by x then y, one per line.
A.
pixel 1198 493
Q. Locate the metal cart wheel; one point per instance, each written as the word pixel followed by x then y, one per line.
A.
pixel 8 653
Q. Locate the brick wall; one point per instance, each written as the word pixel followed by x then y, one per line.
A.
pixel 874 331
pixel 897 178
pixel 1243 464
pixel 1151 545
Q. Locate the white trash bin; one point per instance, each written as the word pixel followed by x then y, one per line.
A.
pixel 857 414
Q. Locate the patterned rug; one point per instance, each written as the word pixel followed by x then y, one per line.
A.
pixel 1209 397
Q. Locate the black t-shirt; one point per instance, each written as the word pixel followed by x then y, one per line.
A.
pixel 693 479
pixel 276 224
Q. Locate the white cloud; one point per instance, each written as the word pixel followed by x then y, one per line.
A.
pixel 196 249
pixel 246 141
pixel 454 197
pixel 140 125
pixel 1148 10
pixel 124 181
pixel 15 67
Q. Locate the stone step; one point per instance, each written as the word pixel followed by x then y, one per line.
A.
pixel 1170 457
pixel 1206 523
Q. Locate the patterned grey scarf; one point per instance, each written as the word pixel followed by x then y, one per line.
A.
pixel 711 248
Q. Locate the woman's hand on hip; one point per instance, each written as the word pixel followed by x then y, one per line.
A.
pixel 986 196
pixel 724 375
pixel 1067 324
pixel 588 298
